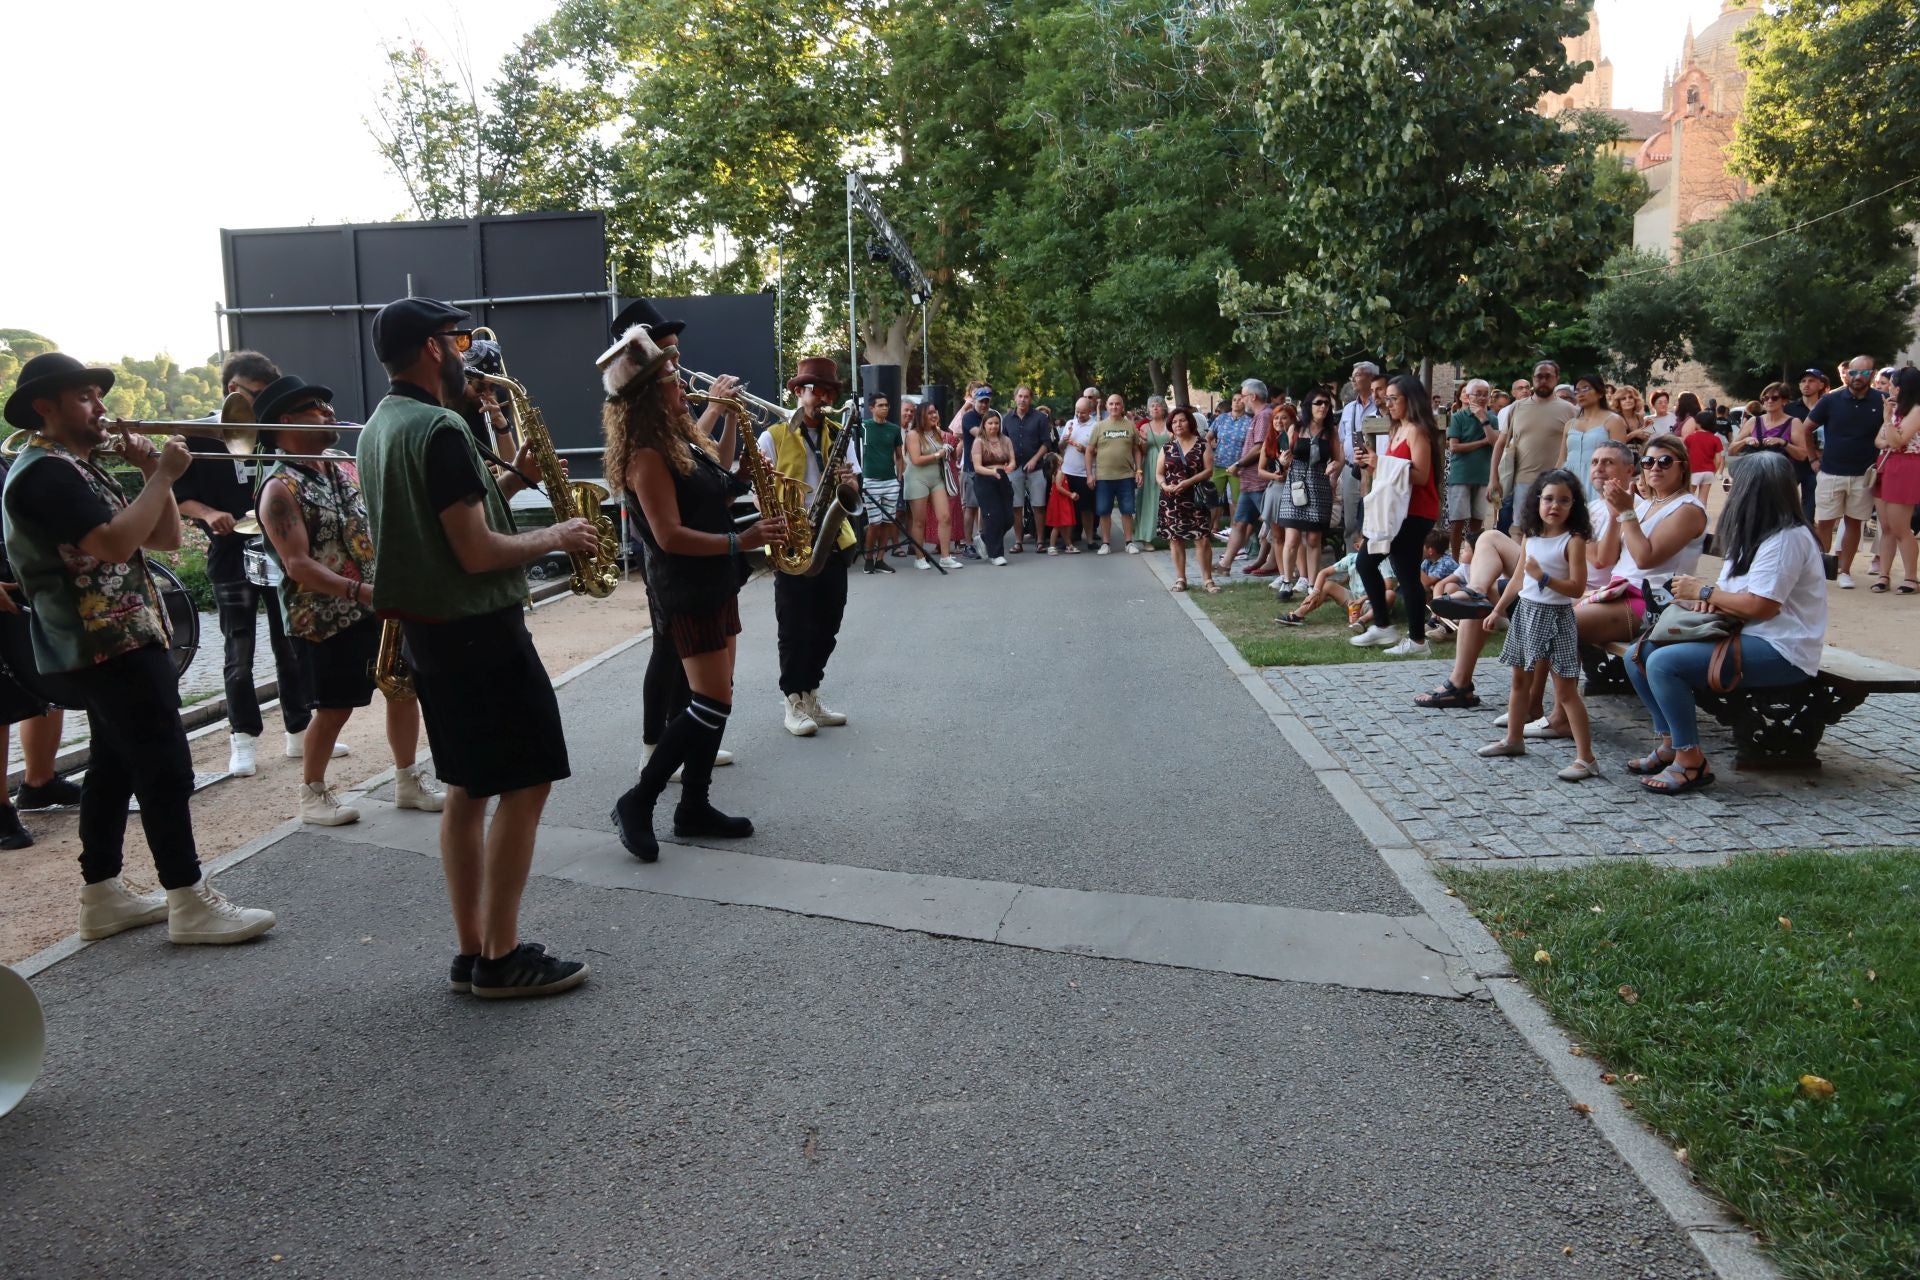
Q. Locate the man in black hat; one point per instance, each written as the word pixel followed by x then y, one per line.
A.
pixel 316 527
pixel 808 609
pixel 449 566
pixel 100 628
pixel 217 490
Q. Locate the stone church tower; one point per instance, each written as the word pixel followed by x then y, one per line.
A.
pixel 1594 91
pixel 1685 162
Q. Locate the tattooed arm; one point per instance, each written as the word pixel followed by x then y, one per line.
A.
pixel 281 519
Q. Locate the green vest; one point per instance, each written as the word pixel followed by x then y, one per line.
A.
pixel 415 572
pixel 85 611
pixel 335 517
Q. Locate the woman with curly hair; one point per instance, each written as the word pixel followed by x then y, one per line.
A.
pixel 683 486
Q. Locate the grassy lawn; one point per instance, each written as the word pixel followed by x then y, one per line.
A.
pixel 1245 613
pixel 1764 1016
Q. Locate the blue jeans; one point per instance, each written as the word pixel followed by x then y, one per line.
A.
pixel 1675 671
pixel 1108 493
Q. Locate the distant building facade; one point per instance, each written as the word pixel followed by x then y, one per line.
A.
pixel 1685 160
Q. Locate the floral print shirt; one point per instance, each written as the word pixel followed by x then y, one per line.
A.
pixel 339 538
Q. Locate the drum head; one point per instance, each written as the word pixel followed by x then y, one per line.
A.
pixel 183 620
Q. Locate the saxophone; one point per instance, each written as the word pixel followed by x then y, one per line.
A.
pixel 595 574
pixel 835 501
pixel 390 673
pixel 779 495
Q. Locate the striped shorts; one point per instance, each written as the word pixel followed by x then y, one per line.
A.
pixel 875 492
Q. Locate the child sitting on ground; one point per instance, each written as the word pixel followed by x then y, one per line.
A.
pixel 1332 584
pixel 1441 575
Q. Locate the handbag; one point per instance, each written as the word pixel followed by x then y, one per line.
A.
pixel 1677 624
pixel 1298 492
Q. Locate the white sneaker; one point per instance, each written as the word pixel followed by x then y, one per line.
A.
pixel 413 789
pixel 1133 548
pixel 1844 582
pixel 1106 548
pixel 297 747
pixel 980 545
pixel 948 562
pixel 1375 638
pixel 201 913
pixel 110 906
pixel 799 723
pixel 320 807
pixel 1302 585
pixel 821 715
pixel 1411 648
pixel 240 761
pixel 722 756
pixel 1001 561
pixel 923 564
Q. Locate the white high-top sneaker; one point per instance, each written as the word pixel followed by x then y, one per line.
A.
pixel 110 906
pixel 240 761
pixel 819 714
pixel 297 747
pixel 799 723
pixel 720 757
pixel 319 807
pixel 200 913
pixel 413 789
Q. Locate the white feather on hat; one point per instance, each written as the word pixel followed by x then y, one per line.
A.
pixel 635 356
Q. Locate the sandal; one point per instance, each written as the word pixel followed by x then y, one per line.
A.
pixel 1579 771
pixel 1448 695
pixel 1179 584
pixel 1291 620
pixel 1907 587
pixel 1677 778
pixel 1880 588
pixel 1213 588
pixel 1655 763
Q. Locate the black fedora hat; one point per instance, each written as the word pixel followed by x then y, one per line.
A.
pixel 642 311
pixel 285 393
pixel 49 374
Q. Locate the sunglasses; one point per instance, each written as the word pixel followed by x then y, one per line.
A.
pixel 303 408
pixel 1659 462
pixel 462 338
pixel 1773 399
pixel 1321 404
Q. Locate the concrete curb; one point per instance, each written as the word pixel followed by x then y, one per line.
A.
pixel 73 944
pixel 1727 1245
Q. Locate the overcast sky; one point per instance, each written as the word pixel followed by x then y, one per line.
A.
pixel 195 115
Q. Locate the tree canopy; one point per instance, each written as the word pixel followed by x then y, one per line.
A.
pixel 155 390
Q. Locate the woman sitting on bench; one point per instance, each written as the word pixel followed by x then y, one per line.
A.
pixel 1773 584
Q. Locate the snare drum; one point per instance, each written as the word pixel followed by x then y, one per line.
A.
pixel 260 568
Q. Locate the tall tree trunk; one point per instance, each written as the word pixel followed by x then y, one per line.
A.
pixel 1157 376
pixel 1426 372
pixel 1181 400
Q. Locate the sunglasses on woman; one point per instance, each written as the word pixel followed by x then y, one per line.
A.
pixel 1658 462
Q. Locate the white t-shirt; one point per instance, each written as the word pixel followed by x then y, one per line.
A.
pixel 1788 568
pixel 1662 425
pixel 1074 442
pixel 1551 555
pixel 1685 560
pixel 1602 516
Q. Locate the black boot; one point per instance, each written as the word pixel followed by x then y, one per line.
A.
pixel 632 815
pixel 694 815
pixel 12 834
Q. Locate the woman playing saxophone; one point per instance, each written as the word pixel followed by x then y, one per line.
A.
pixel 682 483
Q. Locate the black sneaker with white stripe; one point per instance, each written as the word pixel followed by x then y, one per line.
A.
pixel 527 970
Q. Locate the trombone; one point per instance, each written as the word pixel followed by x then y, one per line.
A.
pixel 236 427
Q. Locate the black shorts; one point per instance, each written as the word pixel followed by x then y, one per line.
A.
pixel 16 646
pixel 493 721
pixel 338 671
pixel 703 630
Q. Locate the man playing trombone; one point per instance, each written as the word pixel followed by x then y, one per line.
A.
pixel 316 526
pixel 100 631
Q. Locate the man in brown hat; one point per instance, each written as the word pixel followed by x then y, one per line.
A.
pixel 808 609
pixel 100 630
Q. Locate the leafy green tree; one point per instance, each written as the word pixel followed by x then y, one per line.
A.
pixel 427 128
pixel 1774 295
pixel 156 390
pixel 1642 316
pixel 1831 114
pixel 1429 200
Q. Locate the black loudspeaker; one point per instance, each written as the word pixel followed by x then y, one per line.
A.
pixel 935 392
pixel 880 379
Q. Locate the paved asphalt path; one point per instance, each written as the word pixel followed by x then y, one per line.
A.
pixel 747 1092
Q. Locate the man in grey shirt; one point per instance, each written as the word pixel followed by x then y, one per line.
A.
pixel 1031 433
pixel 1362 417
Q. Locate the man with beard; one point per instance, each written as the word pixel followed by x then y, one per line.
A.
pixel 450 568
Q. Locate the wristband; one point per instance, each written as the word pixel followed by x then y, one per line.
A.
pixel 733 543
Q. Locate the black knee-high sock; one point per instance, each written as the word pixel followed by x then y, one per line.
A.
pixel 697 778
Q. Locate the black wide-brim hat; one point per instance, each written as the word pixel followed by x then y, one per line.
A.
pixel 642 311
pixel 48 374
pixel 283 394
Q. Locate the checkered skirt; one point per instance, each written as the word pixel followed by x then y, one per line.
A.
pixel 1539 631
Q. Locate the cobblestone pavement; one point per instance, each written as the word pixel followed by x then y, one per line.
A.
pixel 1421 768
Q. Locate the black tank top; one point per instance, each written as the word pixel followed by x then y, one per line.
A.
pixel 688 583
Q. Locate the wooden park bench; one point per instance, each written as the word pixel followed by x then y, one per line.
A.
pixel 1781 727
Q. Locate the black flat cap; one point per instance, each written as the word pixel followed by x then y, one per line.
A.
pixel 401 327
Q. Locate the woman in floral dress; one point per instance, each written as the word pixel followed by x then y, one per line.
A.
pixel 1183 467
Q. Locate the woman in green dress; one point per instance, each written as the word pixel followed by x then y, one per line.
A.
pixel 1155 433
